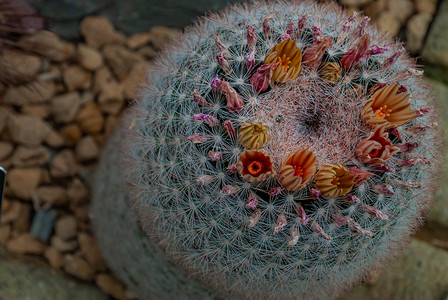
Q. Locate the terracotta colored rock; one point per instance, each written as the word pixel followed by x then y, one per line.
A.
pixel 401 9
pixel 63 246
pixel 64 164
pixel 71 134
pixel 110 285
pixel 65 107
pixel 90 118
pixel 120 60
pixel 138 40
pixel 49 45
pixel 25 244
pixel 99 31
pixel 28 130
pixel 66 227
pixel 4 116
pixel 426 6
pixel 40 111
pixel 54 257
pixel 52 194
pixel 13 211
pixel 30 157
pixel 111 99
pixel 23 222
pixel 102 77
pixel 89 57
pixel 87 149
pixel 78 267
pixel 76 78
pixel 55 139
pixel 23 181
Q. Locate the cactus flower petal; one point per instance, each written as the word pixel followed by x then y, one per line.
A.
pixel 254 166
pixel 376 149
pixel 254 135
pixel 334 180
pixel 289 58
pixel 298 170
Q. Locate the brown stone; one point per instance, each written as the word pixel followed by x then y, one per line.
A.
pixel 54 257
pixel 55 139
pixel 147 52
pixel 138 40
pixel 87 149
pixel 86 97
pixel 25 244
pixel 374 8
pixel 120 60
pixel 135 79
pixel 78 267
pixel 5 231
pixel 98 31
pixel 111 99
pixel 31 93
pixel 81 212
pixel 417 27
pixel 53 194
pixel 66 227
pixel 23 222
pixel 65 107
pixel 4 116
pixel 354 3
pixel 48 44
pixel 111 123
pixel 77 192
pixel 110 285
pixel 63 246
pixel 27 130
pixel 39 111
pixel 426 6
pixel 102 77
pixel 71 134
pixel 5 150
pixel 90 251
pixel 89 57
pixel 13 212
pixel 161 36
pixel 30 157
pixel 388 23
pixel 90 118
pixel 76 78
pixel 20 67
pixel 64 164
pixel 401 9
pixel 23 181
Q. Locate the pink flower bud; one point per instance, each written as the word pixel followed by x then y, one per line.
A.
pixel 267 27
pixel 408 147
pixel 252 201
pixel 384 188
pixel 360 30
pixel 408 185
pixel 209 120
pixel 301 24
pixel 251 37
pixel 317 34
pixel 316 228
pixel 294 237
pixel 290 30
pixel 205 179
pixel 393 58
pixel 349 23
pixel 354 55
pixel 302 214
pixel 356 228
pixel 312 56
pixel 360 176
pixel 230 190
pixel 261 79
pixel 221 47
pixel 229 127
pixel 281 222
pixel 216 84
pixel 215 155
pixel 352 199
pixel 415 161
pixel 375 212
pixel 285 36
pixel 376 49
pixel 249 58
pixel 199 99
pixel 421 128
pixel 341 220
pixel 197 138
pixel 275 191
pixel 232 168
pixel 384 168
pixel 234 100
pixel 315 194
pixel 254 218
pixel 223 63
pixel 424 110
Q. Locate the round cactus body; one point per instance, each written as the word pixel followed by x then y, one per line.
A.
pixel 281 150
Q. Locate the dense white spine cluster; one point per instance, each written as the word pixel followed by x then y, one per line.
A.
pixel 290 244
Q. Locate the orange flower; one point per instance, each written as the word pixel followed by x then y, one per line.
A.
pixel 254 135
pixel 254 166
pixel 334 180
pixel 387 108
pixel 289 58
pixel 298 170
pixel 376 148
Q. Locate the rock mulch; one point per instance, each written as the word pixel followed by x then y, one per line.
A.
pixel 51 134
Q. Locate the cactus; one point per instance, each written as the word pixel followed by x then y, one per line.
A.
pixel 279 150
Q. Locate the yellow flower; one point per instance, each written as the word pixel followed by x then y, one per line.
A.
pixel 254 166
pixel 289 58
pixel 253 135
pixel 387 108
pixel 298 170
pixel 331 72
pixel 334 180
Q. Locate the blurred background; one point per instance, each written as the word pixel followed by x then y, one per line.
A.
pixel 68 69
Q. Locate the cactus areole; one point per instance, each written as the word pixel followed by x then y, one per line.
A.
pixel 237 81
